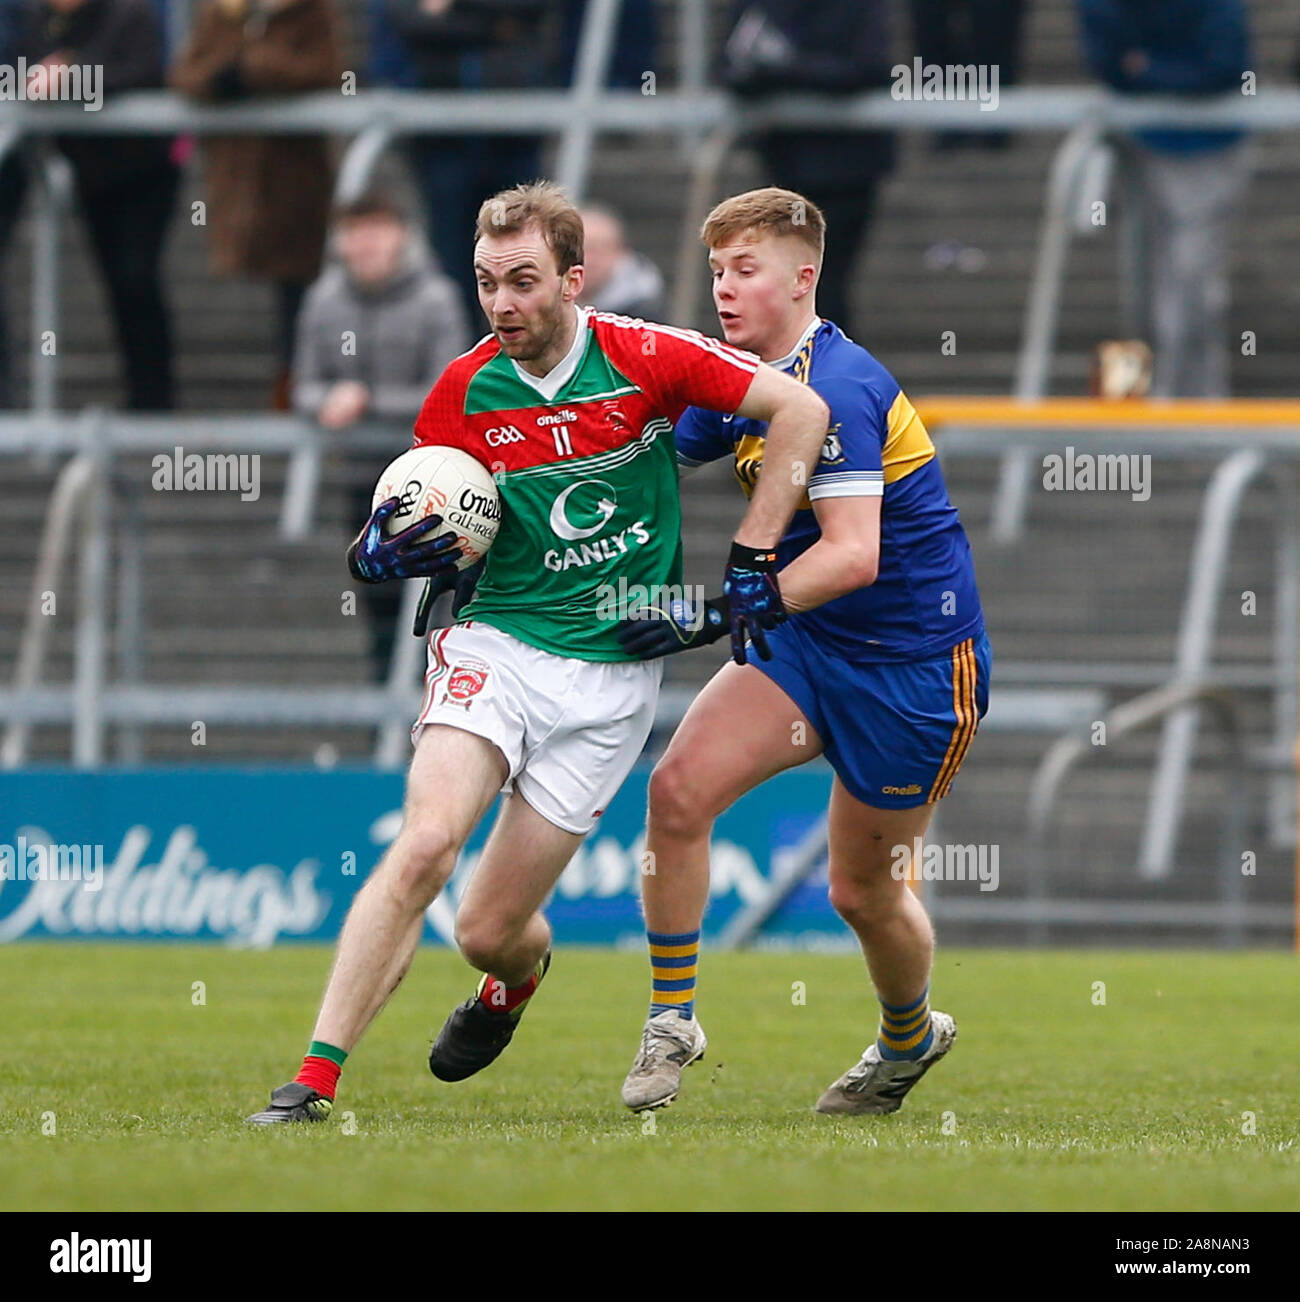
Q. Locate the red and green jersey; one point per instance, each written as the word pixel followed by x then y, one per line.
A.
pixel 585 463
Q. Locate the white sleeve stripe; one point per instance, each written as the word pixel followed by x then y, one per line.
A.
pixel 741 360
pixel 827 476
pixel 688 461
pixel 856 489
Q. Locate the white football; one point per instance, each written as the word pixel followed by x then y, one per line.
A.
pixel 446 482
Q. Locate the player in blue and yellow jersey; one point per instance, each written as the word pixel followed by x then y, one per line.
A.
pixel 881 664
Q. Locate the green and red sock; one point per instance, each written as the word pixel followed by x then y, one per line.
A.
pixel 321 1067
pixel 495 995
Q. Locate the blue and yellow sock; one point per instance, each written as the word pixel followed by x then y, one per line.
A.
pixel 905 1032
pixel 674 962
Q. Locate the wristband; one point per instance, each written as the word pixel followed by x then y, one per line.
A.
pixel 762 559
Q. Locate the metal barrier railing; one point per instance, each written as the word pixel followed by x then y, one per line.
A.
pixel 1042 314
pixel 376 117
pixel 1208 570
pixel 1070 750
pixel 107 436
pixel 1167 430
pixel 92 703
pixel 76 481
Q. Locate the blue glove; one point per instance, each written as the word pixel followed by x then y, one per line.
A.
pixel 461 582
pixel 685 624
pixel 749 586
pixel 372 558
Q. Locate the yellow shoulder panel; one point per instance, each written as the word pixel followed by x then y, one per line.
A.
pixel 907 445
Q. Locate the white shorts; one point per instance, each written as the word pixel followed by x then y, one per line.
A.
pixel 570 730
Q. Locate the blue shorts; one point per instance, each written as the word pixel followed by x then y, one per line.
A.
pixel 894 733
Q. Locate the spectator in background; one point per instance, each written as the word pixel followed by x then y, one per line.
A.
pixel 374 333
pixel 636 42
pixel 618 279
pixel 390 61
pixel 471 45
pixel 834 46
pixel 11 179
pixel 983 32
pixel 126 184
pixel 268 197
pixel 1180 186
pixel 10 29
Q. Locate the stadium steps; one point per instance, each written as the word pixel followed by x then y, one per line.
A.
pixel 991 201
pixel 1097 579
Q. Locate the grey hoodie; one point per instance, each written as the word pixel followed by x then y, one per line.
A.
pixel 396 339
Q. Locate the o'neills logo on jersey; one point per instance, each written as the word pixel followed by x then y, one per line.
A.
pixel 465 682
pixel 565 417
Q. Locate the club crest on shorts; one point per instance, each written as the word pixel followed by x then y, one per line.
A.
pixel 465 682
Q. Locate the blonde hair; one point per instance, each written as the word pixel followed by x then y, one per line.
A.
pixel 769 211
pixel 542 204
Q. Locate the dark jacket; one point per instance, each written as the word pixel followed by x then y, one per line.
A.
pixel 475 44
pixel 836 47
pixel 1194 47
pixel 11 30
pixel 390 61
pixel 121 37
pixel 268 196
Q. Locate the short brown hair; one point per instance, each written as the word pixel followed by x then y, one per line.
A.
pixel 769 211
pixel 542 204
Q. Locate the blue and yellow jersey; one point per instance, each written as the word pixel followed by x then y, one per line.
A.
pixel 924 599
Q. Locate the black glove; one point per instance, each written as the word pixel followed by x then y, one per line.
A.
pixel 685 624
pixel 373 558
pixel 749 584
pixel 462 583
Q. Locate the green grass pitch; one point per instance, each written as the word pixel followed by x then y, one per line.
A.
pixel 1178 1092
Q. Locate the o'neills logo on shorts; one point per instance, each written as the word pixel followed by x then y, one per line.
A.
pixel 465 682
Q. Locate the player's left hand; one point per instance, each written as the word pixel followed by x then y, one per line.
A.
pixel 750 588
pixel 683 625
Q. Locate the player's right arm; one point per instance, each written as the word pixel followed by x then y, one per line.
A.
pixel 412 554
pixel 797 420
pixel 695 370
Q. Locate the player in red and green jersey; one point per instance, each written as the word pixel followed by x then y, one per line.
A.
pixel 530 692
